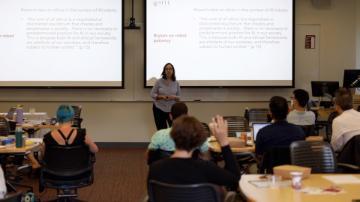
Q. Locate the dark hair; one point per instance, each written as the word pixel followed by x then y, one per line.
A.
pixel 279 108
pixel 65 113
pixel 163 74
pixel 343 98
pixel 301 96
pixel 178 109
pixel 187 133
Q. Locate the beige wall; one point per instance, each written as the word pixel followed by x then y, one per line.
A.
pixel 338 28
pixel 131 121
pixel 358 34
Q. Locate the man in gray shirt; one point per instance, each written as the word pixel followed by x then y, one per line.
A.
pixel 298 115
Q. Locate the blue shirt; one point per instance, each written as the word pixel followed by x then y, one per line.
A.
pixel 162 140
pixel 278 134
pixel 161 87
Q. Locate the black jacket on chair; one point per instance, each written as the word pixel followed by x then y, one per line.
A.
pixel 350 153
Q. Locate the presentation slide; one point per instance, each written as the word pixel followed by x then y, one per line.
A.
pixel 221 42
pixel 61 43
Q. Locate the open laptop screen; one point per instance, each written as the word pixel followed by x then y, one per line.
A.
pixel 257 127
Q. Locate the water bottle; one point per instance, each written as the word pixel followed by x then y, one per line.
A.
pixel 18 136
pixel 19 115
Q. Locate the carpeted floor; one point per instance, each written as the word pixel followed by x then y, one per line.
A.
pixel 120 175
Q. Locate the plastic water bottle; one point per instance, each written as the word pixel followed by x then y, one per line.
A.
pixel 18 136
pixel 19 115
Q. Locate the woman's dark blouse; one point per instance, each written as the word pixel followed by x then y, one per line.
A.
pixel 79 139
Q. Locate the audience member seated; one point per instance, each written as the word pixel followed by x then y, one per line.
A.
pixel 66 134
pixel 280 133
pixel 346 125
pixel 188 134
pixel 161 142
pixel 299 115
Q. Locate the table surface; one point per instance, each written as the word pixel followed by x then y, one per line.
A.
pixel 288 194
pixel 11 149
pixel 236 145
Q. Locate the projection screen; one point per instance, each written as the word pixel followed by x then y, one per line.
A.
pixel 61 43
pixel 241 43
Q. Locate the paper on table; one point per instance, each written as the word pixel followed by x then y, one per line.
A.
pixel 267 183
pixel 342 179
pixel 36 140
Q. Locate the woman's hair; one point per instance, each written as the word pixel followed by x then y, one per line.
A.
pixel 65 113
pixel 163 74
pixel 188 133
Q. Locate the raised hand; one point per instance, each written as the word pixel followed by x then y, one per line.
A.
pixel 219 129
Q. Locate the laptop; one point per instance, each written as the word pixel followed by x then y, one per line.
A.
pixel 256 127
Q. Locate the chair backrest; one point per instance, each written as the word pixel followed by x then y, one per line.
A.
pixel 331 118
pixel 236 124
pixel 11 113
pixel 12 197
pixel 67 161
pixel 158 154
pixel 77 110
pixel 77 116
pixel 308 129
pixel 317 155
pixel 350 153
pixel 207 129
pixel 163 192
pixel 4 127
pixel 275 156
pixel 258 115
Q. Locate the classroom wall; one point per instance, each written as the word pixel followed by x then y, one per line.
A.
pixel 357 34
pixel 338 33
pixel 126 115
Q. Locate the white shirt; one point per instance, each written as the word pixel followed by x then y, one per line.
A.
pixel 344 127
pixel 2 184
pixel 301 118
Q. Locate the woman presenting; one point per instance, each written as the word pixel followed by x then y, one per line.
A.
pixel 165 93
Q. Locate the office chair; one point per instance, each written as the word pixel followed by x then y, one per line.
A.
pixel 207 129
pixel 331 118
pixel 157 154
pixel 163 192
pixel 349 157
pixel 236 124
pixel 4 127
pixel 77 116
pixel 309 130
pixel 274 156
pixel 13 197
pixel 66 168
pixel 258 115
pixel 319 156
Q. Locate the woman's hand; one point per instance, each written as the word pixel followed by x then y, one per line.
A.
pixel 172 97
pixel 161 97
pixel 219 128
